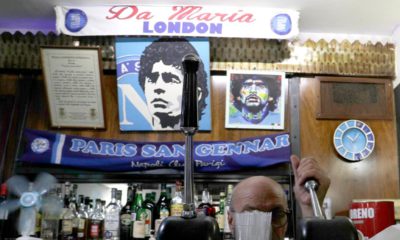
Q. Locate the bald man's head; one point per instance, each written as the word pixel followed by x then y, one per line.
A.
pixel 258 193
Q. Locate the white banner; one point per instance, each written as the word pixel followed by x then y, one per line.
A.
pixel 197 21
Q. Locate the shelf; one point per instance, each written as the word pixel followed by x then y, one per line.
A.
pixel 279 172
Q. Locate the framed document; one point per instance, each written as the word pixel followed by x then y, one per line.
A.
pixel 73 77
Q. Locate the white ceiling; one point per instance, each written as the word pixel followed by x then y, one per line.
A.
pixel 369 17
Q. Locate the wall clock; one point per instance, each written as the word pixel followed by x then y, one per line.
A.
pixel 354 140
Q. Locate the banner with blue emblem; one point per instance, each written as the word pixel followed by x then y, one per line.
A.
pixel 177 20
pixel 47 148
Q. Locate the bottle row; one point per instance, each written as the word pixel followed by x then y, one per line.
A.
pixel 81 217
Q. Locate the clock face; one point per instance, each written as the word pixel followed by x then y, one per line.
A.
pixel 354 140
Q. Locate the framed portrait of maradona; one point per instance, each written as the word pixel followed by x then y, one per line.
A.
pixel 255 100
pixel 150 82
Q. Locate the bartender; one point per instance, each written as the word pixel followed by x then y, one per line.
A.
pixel 260 194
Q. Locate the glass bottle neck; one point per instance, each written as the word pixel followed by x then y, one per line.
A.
pixel 113 195
pixel 72 206
pixel 129 195
pixel 139 198
pixel 205 197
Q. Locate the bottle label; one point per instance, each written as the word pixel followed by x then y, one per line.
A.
pixel 94 230
pixel 67 226
pixel 138 229
pixel 220 221
pixel 75 223
pixel 147 223
pixel 111 222
pixel 164 213
pixel 126 219
pixel 142 216
pixel 176 209
pixel 133 216
pixel 46 234
pixel 109 234
pixel 81 224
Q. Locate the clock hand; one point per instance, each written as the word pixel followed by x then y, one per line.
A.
pixel 350 138
pixel 356 137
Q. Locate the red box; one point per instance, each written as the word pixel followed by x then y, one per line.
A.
pixel 371 217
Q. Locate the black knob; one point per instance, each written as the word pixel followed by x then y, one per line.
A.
pixel 189 116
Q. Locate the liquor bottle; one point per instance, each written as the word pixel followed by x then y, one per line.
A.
pixel 125 217
pixel 162 207
pixel 73 197
pixel 96 222
pixel 150 207
pixel 69 224
pixel 111 220
pixel 103 206
pixel 67 193
pixel 177 201
pixel 227 231
pixel 139 226
pixel 50 219
pixel 162 204
pixel 88 206
pixel 119 196
pixel 169 195
pixel 205 207
pixel 60 196
pixel 133 205
pixel 220 214
pixel 83 219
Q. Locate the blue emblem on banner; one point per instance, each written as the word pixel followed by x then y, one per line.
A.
pixel 281 24
pixel 40 145
pixel 75 20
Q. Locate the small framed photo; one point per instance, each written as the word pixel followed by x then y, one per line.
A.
pixel 73 81
pixel 255 100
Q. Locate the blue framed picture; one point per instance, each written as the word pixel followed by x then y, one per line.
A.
pixel 150 81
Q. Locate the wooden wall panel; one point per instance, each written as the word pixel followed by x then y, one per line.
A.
pixel 39 118
pixel 375 177
pixel 8 84
pixel 372 178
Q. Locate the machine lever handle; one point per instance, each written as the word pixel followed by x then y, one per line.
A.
pixel 312 186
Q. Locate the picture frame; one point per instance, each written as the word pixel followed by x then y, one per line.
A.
pixel 255 100
pixel 73 80
pixel 354 98
pixel 155 104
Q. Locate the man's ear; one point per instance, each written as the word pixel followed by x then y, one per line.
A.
pixel 199 93
pixel 231 221
pixel 281 231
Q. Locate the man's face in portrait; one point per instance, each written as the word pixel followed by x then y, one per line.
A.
pixel 163 91
pixel 254 95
